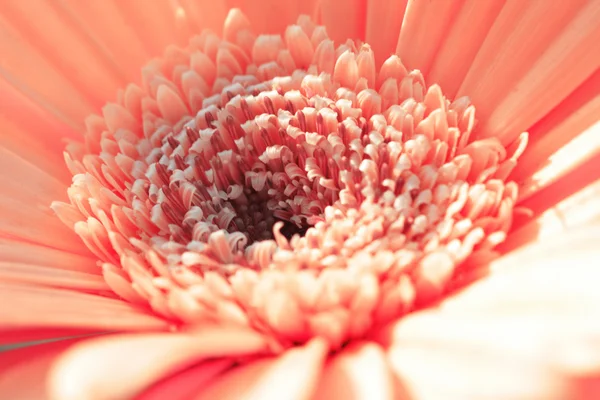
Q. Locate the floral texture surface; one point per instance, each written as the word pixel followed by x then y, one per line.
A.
pixel 368 200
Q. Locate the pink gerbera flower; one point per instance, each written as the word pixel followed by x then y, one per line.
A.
pixel 303 200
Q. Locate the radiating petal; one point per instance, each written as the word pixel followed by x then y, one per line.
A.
pixel 130 363
pixel 572 162
pixel 425 25
pixel 18 336
pixel 44 307
pixel 514 86
pixel 292 376
pixel 462 42
pixel 572 118
pixel 23 371
pixel 344 21
pixel 498 337
pixel 18 251
pixel 48 276
pixel 360 371
pixel 185 384
pixel 552 214
pixel 24 205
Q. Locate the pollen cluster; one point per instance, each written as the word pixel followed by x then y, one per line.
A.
pixel 286 184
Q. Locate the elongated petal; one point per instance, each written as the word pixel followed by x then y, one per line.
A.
pixel 185 384
pixel 42 307
pixel 292 376
pixel 130 363
pixel 23 372
pixel 359 372
pixel 40 275
pixel 502 333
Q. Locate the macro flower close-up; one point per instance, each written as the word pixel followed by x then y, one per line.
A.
pixel 320 199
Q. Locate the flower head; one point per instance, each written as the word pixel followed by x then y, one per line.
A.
pixel 264 202
pixel 186 189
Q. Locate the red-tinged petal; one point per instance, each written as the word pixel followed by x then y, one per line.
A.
pixel 130 363
pixel 359 372
pixel 185 384
pixel 16 336
pixel 236 383
pixel 43 307
pixel 294 376
pixel 23 372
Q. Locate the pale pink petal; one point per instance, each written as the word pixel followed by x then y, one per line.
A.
pixel 498 338
pixel 130 363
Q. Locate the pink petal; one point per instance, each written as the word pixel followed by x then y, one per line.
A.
pixel 360 371
pixel 43 307
pixel 130 363
pixel 185 384
pixel 16 336
pixel 345 22
pixel 23 372
pixel 528 330
pixel 41 275
pixel 293 376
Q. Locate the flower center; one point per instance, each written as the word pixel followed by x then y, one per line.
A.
pixel 287 185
